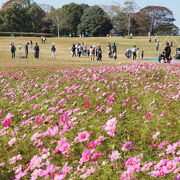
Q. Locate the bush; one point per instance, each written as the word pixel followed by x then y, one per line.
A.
pixel 27 34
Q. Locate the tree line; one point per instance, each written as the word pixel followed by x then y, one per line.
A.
pixel 81 19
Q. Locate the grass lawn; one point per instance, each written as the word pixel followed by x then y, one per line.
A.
pixel 63 54
pixel 71 118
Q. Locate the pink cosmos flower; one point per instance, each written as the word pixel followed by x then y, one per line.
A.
pixel 147 166
pixel 127 145
pixel 148 115
pixel 163 162
pixel 161 145
pixel 35 162
pixel 2 164
pixel 58 176
pixel 111 123
pixel 156 135
pixel 91 145
pixel 163 114
pixel 99 140
pixel 114 156
pixel 87 104
pixel 108 110
pixel 111 127
pixel 7 122
pixel 12 141
pixel 171 149
pixel 64 148
pixel 66 169
pixel 132 161
pixel 95 156
pixel 170 166
pixel 111 132
pixel 18 169
pixel 157 174
pixel 127 175
pixel 83 136
pixel 15 158
pixel 86 155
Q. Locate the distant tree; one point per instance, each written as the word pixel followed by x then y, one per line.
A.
pixel 122 16
pixel 59 19
pixel 15 18
pixel 22 17
pixel 167 29
pixel 95 21
pixel 140 24
pixel 73 13
pixel 159 16
pixel 36 15
pixel 120 23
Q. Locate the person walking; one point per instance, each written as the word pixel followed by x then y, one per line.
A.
pixel 134 52
pixel 53 50
pixel 99 53
pixel 73 50
pixel 114 48
pixel 26 49
pixel 109 51
pixel 31 43
pixel 142 55
pixel 157 45
pixel 19 47
pixel 167 51
pixel 13 50
pixel 36 51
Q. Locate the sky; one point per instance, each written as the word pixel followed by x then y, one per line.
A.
pixel 173 5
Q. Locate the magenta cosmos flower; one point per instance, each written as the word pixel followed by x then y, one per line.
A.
pixel 83 136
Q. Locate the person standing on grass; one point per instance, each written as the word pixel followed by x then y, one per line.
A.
pixel 134 52
pixel 109 51
pixel 167 51
pixel 36 51
pixel 53 50
pixel 31 43
pixel 142 55
pixel 13 50
pixel 19 47
pixel 26 49
pixel 73 50
pixel 157 45
pixel 99 53
pixel 42 39
pixel 114 48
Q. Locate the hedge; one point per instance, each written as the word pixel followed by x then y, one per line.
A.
pixel 27 34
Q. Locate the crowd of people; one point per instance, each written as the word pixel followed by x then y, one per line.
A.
pixel 93 52
pixel 28 45
pixel 78 50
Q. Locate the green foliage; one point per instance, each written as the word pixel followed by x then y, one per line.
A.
pixel 28 34
pixel 95 21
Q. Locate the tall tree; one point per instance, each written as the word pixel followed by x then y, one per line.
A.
pixel 129 9
pixel 36 15
pixel 73 13
pixel 158 16
pixel 95 21
pixel 59 19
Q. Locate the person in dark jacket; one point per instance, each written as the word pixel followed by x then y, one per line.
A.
pixel 36 51
pixel 26 49
pixel 13 50
pixel 53 50
pixel 167 51
pixel 99 53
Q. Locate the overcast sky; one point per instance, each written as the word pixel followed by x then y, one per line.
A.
pixel 173 5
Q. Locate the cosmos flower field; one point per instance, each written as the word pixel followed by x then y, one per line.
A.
pixel 91 123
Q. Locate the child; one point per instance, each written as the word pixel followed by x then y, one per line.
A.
pixel 142 55
pixel 115 55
